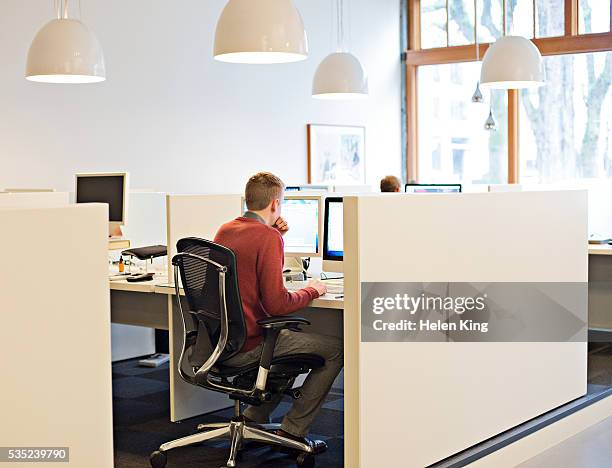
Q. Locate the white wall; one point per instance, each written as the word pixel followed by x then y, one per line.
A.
pixel 175 118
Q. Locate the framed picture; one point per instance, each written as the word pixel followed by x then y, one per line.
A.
pixel 336 154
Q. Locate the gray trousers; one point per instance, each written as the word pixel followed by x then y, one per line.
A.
pixel 316 386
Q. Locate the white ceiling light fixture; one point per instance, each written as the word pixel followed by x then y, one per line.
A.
pixel 340 75
pixel 512 62
pixel 260 32
pixel 65 51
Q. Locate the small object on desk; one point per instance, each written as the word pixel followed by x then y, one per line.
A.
pixel 339 297
pixel 154 360
pixel 121 265
pixel 596 239
pixel 120 276
pixel 140 277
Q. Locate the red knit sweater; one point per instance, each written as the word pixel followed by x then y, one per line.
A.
pixel 260 257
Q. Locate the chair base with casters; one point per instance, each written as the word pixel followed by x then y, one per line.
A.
pixel 239 432
pixel 214 329
pixel 282 374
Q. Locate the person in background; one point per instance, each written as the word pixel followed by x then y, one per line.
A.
pixel 257 241
pixel 390 184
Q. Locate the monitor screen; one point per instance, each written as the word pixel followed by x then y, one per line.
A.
pixel 302 215
pixel 333 247
pixel 433 188
pixel 103 189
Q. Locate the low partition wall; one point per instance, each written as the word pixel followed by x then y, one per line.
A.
pixel 514 264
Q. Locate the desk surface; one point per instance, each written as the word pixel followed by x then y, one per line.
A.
pixel 144 286
pixel 160 285
pixel 600 249
pixel 329 301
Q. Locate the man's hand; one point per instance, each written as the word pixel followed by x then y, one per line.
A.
pixel 318 285
pixel 281 225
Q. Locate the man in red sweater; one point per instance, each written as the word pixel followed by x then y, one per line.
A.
pixel 256 239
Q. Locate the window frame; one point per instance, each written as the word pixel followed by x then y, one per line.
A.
pixel 414 56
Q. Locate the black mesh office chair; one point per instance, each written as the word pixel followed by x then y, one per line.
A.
pixel 214 331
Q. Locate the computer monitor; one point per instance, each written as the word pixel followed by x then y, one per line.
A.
pixel 110 188
pixel 433 188
pixel 333 235
pixel 302 213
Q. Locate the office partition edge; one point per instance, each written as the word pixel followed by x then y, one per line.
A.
pixel 352 332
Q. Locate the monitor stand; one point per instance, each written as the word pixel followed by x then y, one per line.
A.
pixel 114 230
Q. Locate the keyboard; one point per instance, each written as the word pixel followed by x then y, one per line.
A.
pixel 333 286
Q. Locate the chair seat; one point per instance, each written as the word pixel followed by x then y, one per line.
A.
pixel 281 364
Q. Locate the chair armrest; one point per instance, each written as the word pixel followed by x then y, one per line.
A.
pixel 272 327
pixel 282 322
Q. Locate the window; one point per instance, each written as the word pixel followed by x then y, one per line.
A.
pixel 549 20
pixel 566 126
pixel 593 16
pixel 453 144
pixel 563 135
pixel 433 20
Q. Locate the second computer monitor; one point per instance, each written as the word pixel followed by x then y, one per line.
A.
pixel 110 188
pixel 302 214
pixel 333 235
pixel 433 188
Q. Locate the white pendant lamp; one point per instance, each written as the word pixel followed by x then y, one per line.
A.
pixel 340 75
pixel 512 62
pixel 65 51
pixel 260 32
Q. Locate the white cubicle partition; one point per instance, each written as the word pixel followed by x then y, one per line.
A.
pixel 198 216
pixel 34 199
pixel 193 216
pixel 412 404
pixel 146 225
pixel 55 332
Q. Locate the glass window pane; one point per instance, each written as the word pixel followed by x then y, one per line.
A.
pixel 566 125
pixel 593 16
pixel 461 25
pixel 453 144
pixel 520 18
pixel 550 18
pixel 489 20
pixel 433 23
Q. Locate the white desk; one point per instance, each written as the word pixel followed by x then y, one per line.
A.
pixel 152 304
pixel 600 249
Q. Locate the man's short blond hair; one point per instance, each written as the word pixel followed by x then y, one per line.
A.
pixel 261 189
pixel 390 184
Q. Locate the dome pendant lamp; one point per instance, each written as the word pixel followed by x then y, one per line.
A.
pixel 65 51
pixel 512 62
pixel 340 75
pixel 260 32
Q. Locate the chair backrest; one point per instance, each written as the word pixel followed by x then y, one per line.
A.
pixel 208 291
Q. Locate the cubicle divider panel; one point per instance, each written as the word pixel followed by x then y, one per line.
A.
pixel 55 333
pixel 34 199
pixel 197 216
pixel 420 402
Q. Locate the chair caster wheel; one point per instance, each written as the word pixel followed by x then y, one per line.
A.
pixel 158 459
pixel 305 460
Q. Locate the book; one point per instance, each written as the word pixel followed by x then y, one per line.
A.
pixel 118 244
